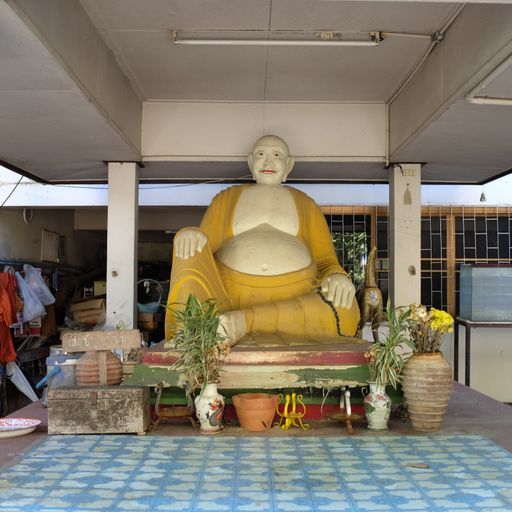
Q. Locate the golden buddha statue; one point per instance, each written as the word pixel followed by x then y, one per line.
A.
pixel 265 253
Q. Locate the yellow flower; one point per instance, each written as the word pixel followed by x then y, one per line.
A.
pixel 440 321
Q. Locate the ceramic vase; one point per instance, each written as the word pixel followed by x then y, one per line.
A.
pixel 377 407
pixel 427 386
pixel 209 409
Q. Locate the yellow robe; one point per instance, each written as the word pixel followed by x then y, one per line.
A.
pixel 288 304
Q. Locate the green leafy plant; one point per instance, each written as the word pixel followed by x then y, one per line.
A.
pixel 201 347
pixel 386 358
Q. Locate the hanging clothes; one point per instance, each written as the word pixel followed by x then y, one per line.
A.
pixel 9 306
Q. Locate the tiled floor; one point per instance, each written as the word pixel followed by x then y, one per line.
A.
pixel 322 468
pixel 126 473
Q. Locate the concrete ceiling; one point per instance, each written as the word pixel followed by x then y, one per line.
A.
pixel 66 109
pixel 160 70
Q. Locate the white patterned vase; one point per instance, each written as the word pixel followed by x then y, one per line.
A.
pixel 209 409
pixel 377 407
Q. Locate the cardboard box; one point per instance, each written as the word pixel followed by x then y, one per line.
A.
pixel 100 288
pixel 146 321
pixel 89 311
pixel 35 327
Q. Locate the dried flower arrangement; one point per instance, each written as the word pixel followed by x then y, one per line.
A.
pixel 427 328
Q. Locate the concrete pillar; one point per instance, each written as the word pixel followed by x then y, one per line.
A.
pixel 405 234
pixel 122 244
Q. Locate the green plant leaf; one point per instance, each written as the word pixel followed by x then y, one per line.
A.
pixel 198 340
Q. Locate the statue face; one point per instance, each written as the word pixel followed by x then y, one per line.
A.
pixel 270 161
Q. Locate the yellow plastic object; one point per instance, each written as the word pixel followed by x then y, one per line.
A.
pixel 287 417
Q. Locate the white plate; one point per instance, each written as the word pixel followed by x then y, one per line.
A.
pixel 13 427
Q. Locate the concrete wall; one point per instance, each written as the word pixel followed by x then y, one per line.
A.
pixel 226 131
pixel 22 241
pixel 491 355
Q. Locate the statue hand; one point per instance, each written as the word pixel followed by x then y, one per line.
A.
pixel 189 241
pixel 338 289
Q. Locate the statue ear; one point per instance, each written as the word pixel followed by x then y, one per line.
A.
pixel 250 161
pixel 290 162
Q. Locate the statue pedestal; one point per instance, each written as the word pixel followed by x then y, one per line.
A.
pixel 259 364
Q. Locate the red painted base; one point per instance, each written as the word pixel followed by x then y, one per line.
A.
pixel 312 355
pixel 314 412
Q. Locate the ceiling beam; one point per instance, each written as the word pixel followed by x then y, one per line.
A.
pixel 476 43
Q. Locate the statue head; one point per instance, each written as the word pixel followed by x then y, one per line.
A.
pixel 270 161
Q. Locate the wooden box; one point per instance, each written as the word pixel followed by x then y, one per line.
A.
pixel 89 311
pixel 98 410
pixel 146 321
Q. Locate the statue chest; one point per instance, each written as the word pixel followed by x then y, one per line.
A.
pixel 266 205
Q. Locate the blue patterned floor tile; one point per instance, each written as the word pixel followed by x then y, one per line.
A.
pixel 126 474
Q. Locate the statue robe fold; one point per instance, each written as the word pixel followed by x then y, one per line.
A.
pixel 287 304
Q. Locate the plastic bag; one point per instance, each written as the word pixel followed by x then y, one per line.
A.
pixel 36 282
pixel 32 306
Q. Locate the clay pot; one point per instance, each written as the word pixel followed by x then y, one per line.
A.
pixel 427 385
pixel 88 372
pixel 255 411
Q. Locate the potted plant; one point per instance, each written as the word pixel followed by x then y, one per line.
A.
pixel 385 363
pixel 427 375
pixel 202 350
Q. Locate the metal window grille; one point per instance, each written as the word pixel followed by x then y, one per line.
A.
pixel 449 236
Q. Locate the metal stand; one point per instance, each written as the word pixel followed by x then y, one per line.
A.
pixel 173 411
pixel 346 408
pixel 469 324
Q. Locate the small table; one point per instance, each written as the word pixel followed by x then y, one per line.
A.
pixel 468 324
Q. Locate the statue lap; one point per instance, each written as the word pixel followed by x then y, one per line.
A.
pixel 288 305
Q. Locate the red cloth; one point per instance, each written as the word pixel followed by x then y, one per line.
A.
pixel 9 305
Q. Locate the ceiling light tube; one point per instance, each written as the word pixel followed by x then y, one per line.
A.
pixel 475 99
pixel 487 100
pixel 372 41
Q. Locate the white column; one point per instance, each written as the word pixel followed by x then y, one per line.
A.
pixel 122 244
pixel 405 234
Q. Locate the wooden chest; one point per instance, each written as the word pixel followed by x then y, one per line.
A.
pixel 98 410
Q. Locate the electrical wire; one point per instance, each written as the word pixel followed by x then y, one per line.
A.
pixel 433 44
pixel 12 192
pixel 172 185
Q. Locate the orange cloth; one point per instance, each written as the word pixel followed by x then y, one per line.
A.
pixel 9 306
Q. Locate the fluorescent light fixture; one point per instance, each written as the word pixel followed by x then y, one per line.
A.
pixel 324 39
pixel 487 100
pixel 481 99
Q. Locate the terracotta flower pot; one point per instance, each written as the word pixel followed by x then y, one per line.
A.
pixel 255 411
pixel 88 369
pixel 427 385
